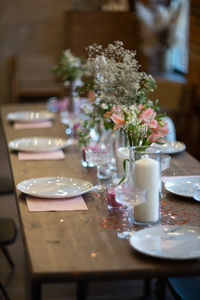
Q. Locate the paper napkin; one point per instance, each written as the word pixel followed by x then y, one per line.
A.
pixel 30 125
pixel 54 155
pixel 42 204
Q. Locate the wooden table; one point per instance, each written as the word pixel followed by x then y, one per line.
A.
pixel 83 246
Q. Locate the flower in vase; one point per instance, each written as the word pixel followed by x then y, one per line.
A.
pixel 116 76
pixel 141 124
pixel 117 85
pixel 69 68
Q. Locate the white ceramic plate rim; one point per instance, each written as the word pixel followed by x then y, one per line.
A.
pixel 57 187
pixel 171 183
pixel 159 232
pixel 24 116
pixel 171 147
pixel 24 144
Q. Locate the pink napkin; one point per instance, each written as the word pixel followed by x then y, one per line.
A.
pixel 30 125
pixel 54 155
pixel 41 204
pixel 167 178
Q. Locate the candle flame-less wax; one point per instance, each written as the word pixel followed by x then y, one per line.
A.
pixel 122 154
pixel 147 176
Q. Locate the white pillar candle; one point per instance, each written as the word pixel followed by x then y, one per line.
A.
pixel 147 176
pixel 122 154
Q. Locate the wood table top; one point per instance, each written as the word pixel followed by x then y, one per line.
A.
pixel 83 245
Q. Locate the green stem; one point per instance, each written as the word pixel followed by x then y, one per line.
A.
pixel 130 141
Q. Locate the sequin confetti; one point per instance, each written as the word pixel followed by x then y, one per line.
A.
pixel 172 213
pixel 93 254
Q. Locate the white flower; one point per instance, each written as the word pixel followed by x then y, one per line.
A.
pixel 116 74
pixel 104 106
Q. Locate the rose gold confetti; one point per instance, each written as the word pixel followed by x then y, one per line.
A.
pixel 171 214
pixel 93 254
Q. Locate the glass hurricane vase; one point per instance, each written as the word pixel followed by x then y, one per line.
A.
pixel 145 172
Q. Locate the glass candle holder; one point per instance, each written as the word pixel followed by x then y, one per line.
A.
pixel 146 173
pixel 110 192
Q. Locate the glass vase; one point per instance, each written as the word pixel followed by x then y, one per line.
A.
pixel 145 172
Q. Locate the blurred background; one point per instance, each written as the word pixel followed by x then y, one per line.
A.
pixel 34 33
pixel 165 34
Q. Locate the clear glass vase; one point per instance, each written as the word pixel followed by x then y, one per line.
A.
pixel 145 172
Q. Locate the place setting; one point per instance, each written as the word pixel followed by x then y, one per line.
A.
pixel 31 119
pixel 172 147
pixel 183 186
pixel 38 148
pixel 138 194
pixel 55 193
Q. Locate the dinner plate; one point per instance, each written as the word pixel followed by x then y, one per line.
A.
pixel 37 144
pixel 172 147
pixel 54 187
pixel 182 185
pixel 168 241
pixel 30 116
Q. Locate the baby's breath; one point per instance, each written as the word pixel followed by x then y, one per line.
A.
pixel 117 80
pixel 116 75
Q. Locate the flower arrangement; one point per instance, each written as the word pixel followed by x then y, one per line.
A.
pixel 69 68
pixel 121 96
pixel 142 125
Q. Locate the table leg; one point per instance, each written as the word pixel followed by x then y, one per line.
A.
pixel 161 289
pixel 82 290
pixel 36 292
pixel 147 287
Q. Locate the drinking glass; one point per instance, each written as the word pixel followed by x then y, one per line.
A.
pixel 129 196
pixel 112 203
pixel 165 163
pixel 72 120
pixel 98 157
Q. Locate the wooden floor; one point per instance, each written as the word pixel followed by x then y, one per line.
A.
pixel 16 282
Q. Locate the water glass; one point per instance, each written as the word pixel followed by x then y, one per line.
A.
pixel 98 157
pixel 131 197
pixel 165 163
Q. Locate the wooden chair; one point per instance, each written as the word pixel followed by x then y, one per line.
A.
pixel 32 77
pixel 8 233
pixel 174 100
pixel 192 126
pixel 84 28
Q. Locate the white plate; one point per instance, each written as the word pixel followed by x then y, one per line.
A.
pixel 168 241
pixel 30 116
pixel 182 185
pixel 37 144
pixel 54 187
pixel 172 147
